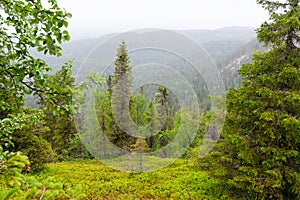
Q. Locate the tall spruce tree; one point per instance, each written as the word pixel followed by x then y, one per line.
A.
pixel 122 85
pixel 259 149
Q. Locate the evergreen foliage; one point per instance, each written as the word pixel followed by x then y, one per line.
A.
pixel 259 151
pixel 122 85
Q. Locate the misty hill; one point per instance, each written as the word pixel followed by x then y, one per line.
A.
pixel 237 58
pixel 222 43
pixel 228 47
pixel 219 43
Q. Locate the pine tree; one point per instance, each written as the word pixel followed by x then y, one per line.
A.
pixel 259 150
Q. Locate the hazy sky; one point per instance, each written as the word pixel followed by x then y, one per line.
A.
pixel 97 17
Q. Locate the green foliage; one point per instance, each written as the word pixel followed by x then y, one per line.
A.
pixel 32 188
pixel 28 26
pixel 153 126
pixel 75 150
pixel 42 136
pixel 138 109
pixel 283 27
pixel 61 89
pixel 37 149
pixel 97 181
pixel 163 108
pixel 259 152
pixel 12 165
pixel 12 123
pixel 30 141
pixel 122 67
pixel 16 185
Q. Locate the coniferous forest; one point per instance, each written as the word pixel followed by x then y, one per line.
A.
pixel 103 138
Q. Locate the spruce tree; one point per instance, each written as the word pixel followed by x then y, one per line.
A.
pixel 259 149
pixel 154 124
pixel 163 108
pixel 121 87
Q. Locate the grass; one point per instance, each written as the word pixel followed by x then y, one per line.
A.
pixel 177 181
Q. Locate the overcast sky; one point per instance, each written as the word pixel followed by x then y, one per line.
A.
pixel 97 17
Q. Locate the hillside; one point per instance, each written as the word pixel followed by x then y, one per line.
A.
pixel 240 56
pixel 220 44
pixel 227 47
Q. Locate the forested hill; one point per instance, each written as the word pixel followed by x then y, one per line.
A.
pixel 223 45
pixel 228 47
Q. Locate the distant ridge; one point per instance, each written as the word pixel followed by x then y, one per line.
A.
pixel 225 45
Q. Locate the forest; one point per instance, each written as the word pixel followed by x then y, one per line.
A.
pixel 68 131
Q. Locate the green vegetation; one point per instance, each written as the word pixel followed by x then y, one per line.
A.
pixel 28 26
pixel 116 106
pixel 257 156
pixel 97 181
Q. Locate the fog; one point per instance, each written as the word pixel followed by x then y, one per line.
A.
pixel 93 18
